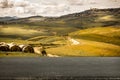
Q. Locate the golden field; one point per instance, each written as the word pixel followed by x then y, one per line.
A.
pixel 99 41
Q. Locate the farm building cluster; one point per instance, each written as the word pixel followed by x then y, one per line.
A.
pixel 15 47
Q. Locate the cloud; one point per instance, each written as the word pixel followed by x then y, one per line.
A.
pixel 76 2
pixel 13 3
pixel 25 8
pixel 16 8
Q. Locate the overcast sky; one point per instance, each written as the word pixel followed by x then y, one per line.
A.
pixel 25 8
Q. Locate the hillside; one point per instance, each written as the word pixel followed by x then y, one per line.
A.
pixel 89 18
pixel 93 42
pixel 49 26
pixel 102 34
pixel 99 41
pixel 97 31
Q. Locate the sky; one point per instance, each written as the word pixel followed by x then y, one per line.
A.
pixel 53 8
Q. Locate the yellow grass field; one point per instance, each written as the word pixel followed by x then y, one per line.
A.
pixel 18 54
pixel 100 41
pixel 87 48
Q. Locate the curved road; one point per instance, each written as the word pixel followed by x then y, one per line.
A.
pixel 55 67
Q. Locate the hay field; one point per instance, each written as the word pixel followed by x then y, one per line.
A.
pixel 99 41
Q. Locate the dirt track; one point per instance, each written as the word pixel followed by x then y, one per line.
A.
pixel 37 51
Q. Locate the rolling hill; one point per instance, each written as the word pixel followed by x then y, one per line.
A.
pixel 97 30
pixel 99 41
pixel 64 24
pixel 89 18
pixel 102 34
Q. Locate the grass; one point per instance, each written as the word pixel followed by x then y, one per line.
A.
pixel 31 30
pixel 102 34
pixel 18 41
pixel 18 54
pixel 18 32
pixel 99 41
pixel 46 39
pixel 87 48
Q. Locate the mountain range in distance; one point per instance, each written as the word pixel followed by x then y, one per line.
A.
pixel 89 18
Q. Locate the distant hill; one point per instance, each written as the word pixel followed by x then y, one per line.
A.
pixel 48 26
pixel 7 18
pixel 89 18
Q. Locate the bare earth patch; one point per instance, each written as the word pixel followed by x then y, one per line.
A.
pixel 50 55
pixel 37 51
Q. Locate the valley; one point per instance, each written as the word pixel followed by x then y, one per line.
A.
pixel 97 31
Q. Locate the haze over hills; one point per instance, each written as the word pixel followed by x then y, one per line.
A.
pixel 67 23
pixel 89 18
